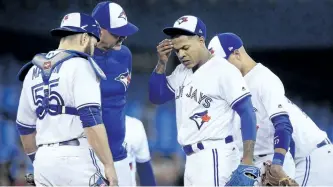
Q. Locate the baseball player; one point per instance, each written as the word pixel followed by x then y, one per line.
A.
pixel 59 113
pixel 138 152
pixel 209 92
pixel 274 108
pixel 116 61
pixel 273 121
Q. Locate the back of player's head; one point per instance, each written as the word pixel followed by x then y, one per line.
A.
pixel 225 44
pixel 75 23
pixel 112 17
pixel 187 25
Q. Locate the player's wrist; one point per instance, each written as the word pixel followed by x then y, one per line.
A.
pixel 278 159
pixel 247 161
pixel 160 68
pixel 276 167
pixel 162 62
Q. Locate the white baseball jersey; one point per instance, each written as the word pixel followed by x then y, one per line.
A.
pixel 136 143
pixel 136 140
pixel 73 83
pixel 204 100
pixel 269 100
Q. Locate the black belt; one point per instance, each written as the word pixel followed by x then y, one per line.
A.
pixel 189 150
pixel 263 155
pixel 323 143
pixel 73 142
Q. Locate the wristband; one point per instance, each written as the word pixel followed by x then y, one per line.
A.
pixel 278 159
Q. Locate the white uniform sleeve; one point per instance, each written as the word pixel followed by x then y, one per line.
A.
pixel 272 95
pixel 232 84
pixel 172 79
pixel 141 148
pixel 86 86
pixel 26 116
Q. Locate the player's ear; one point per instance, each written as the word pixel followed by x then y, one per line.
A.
pixel 84 39
pixel 237 54
pixel 202 40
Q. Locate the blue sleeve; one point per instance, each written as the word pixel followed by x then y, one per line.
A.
pixel 90 116
pixel 244 108
pixel 25 130
pixel 146 174
pixel 159 91
pixel 282 136
pixel 283 131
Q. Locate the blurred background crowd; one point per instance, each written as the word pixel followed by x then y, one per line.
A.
pixel 294 38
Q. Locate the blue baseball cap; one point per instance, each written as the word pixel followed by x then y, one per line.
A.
pixel 187 25
pixel 77 23
pixel 225 44
pixel 112 17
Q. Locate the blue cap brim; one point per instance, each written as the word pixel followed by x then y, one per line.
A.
pixel 65 31
pixel 173 31
pixel 125 30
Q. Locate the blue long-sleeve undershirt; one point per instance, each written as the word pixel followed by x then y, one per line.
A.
pixel 159 92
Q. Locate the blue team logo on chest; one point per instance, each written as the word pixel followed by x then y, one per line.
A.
pixel 200 118
pixel 124 78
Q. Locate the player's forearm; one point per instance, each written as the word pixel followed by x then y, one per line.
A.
pixel 29 143
pixel 98 140
pixel 244 108
pixel 282 138
pixel 280 150
pixel 160 67
pixel 248 150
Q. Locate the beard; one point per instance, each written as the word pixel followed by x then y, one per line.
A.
pixel 89 49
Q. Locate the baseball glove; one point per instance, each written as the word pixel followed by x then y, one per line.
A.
pixel 267 178
pixel 244 175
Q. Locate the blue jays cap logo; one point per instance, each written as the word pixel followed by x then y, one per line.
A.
pixel 124 78
pixel 123 15
pixel 182 20
pixel 65 18
pixel 200 118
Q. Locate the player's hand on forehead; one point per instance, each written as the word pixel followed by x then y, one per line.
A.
pixel 164 49
pixel 165 42
pixel 164 45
